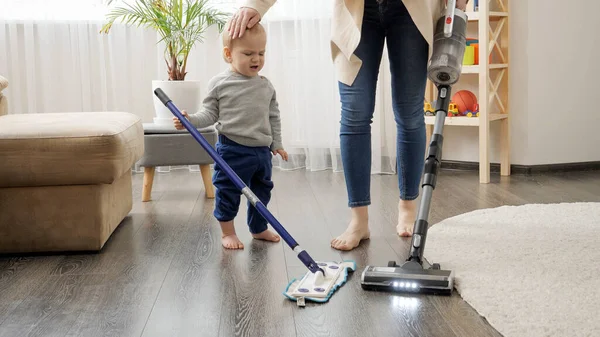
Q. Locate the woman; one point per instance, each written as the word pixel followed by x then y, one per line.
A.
pixel 359 30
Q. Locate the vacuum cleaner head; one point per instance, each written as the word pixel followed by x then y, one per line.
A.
pixel 317 287
pixel 411 277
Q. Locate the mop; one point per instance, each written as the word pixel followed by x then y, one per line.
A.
pixel 322 278
pixel 314 288
pixel 416 275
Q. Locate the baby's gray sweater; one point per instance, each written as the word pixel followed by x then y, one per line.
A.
pixel 244 109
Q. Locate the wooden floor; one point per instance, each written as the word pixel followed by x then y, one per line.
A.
pixel 164 273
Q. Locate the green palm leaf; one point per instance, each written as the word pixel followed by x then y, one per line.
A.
pixel 180 25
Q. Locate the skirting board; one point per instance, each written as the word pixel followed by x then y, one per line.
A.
pixel 523 169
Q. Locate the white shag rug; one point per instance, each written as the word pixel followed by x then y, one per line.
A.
pixel 531 270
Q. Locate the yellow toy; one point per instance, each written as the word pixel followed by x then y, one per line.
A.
pixel 428 109
pixel 452 110
pixel 475 111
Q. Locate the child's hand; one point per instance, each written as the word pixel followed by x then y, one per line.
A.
pixel 177 122
pixel 282 153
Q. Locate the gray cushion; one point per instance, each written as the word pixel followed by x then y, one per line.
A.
pixel 166 147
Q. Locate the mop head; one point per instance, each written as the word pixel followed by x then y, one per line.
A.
pixel 315 287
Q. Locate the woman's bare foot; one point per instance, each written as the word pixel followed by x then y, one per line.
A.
pixel 407 213
pixel 357 230
pixel 229 239
pixel 266 235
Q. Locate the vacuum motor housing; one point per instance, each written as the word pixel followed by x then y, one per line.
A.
pixel 445 65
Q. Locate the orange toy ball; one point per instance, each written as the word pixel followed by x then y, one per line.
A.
pixel 465 100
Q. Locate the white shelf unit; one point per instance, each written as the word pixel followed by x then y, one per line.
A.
pixel 492 20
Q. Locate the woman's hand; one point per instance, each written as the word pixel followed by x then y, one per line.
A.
pixel 244 18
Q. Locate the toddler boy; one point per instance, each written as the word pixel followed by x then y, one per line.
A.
pixel 244 107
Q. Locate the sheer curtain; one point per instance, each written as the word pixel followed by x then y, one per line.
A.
pixel 56 60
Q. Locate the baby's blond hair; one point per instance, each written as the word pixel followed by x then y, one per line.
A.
pixel 257 29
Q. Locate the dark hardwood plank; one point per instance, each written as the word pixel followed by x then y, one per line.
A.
pixel 19 278
pixel 164 272
pixel 190 298
pixel 303 217
pixel 53 308
pixel 252 281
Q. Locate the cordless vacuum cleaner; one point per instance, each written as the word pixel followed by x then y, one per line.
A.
pixel 323 278
pixel 416 275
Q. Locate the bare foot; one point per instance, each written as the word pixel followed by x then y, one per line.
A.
pixel 266 235
pixel 407 213
pixel 232 242
pixel 357 230
pixel 229 239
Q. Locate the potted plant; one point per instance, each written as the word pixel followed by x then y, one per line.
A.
pixel 181 24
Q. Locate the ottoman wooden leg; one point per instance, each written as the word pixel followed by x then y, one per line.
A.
pixel 148 180
pixel 208 186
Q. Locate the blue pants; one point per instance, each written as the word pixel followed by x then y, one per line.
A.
pixel 408 54
pixel 253 165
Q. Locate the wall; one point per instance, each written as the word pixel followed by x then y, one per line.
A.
pixel 563 68
pixel 552 72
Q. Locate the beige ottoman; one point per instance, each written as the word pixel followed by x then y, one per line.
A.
pixel 65 179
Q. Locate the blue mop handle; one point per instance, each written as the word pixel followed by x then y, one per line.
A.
pixel 262 209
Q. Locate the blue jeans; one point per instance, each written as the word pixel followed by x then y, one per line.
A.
pixel 253 165
pixel 408 54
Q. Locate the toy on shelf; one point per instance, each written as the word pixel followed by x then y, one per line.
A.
pixel 464 100
pixel 472 47
pixel 452 110
pixel 474 112
pixel 428 109
pixel 469 55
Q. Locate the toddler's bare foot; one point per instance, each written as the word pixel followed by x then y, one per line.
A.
pixel 357 230
pixel 232 242
pixel 407 213
pixel 229 239
pixel 266 235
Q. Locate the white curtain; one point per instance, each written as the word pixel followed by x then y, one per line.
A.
pixel 56 60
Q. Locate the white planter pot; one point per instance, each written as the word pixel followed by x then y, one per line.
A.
pixel 185 95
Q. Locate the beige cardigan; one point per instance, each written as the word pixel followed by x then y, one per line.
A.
pixel 346 28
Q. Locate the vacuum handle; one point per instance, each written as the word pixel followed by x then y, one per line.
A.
pixel 449 22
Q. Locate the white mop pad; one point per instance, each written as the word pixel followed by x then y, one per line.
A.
pixel 314 287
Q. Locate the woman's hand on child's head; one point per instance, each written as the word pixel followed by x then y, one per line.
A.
pixel 244 18
pixel 282 153
pixel 177 122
